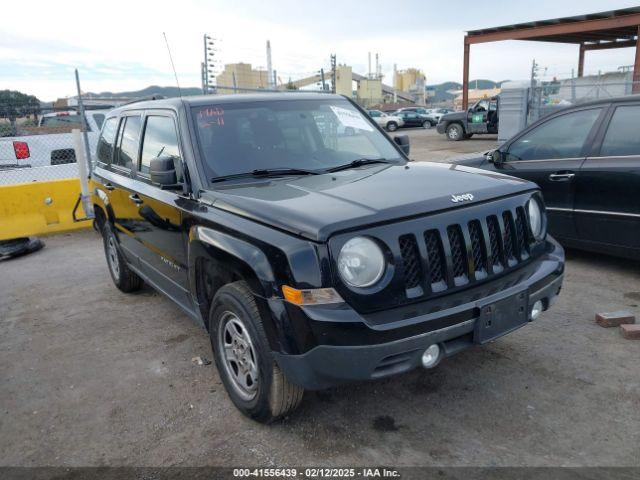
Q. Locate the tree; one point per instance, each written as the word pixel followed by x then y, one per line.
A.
pixel 290 85
pixel 14 104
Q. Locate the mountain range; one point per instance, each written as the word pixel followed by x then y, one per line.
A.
pixel 441 90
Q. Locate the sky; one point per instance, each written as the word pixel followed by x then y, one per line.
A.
pixel 119 45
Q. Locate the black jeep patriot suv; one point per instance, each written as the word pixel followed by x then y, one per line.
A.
pixel 309 246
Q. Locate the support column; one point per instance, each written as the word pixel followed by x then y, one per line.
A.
pixel 636 67
pixel 581 61
pixel 465 76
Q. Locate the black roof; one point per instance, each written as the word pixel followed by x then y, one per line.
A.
pixel 197 100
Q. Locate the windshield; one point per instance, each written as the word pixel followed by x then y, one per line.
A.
pixel 315 135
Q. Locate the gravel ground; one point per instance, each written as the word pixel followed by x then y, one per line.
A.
pixel 92 376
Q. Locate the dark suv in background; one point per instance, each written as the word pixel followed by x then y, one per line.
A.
pixel 586 160
pixel 311 256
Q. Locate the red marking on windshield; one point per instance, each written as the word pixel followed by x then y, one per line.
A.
pixel 211 116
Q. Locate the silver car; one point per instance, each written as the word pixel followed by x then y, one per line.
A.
pixel 389 122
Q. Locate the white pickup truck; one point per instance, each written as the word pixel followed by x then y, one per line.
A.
pixel 51 142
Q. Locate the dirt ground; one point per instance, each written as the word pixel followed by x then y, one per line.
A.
pixel 94 377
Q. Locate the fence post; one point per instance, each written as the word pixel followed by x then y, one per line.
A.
pixel 83 173
pixel 85 126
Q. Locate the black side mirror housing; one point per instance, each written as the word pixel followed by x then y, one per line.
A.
pixel 495 157
pixel 403 142
pixel 162 171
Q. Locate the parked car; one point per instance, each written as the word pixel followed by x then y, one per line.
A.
pixel 586 160
pixel 482 117
pixel 51 142
pixel 314 259
pixel 420 110
pixel 389 122
pixel 437 113
pixel 414 119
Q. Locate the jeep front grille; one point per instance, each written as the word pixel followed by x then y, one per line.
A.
pixel 462 253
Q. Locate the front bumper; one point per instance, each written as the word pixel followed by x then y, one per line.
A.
pixel 380 349
pixel 440 127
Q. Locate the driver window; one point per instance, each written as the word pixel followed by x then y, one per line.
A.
pixel 482 106
pixel 160 139
pixel 560 137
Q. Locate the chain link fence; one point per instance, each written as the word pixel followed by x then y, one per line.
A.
pixel 39 145
pixel 551 96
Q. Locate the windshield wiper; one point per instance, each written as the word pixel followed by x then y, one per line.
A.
pixel 357 163
pixel 265 172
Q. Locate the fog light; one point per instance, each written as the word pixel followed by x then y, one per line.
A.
pixel 431 356
pixel 536 310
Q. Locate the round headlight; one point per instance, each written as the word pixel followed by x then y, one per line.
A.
pixel 535 219
pixel 361 262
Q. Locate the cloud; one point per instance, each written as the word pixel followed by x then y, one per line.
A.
pixel 119 45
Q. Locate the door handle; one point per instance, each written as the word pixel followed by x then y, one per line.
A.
pixel 561 177
pixel 109 187
pixel 135 199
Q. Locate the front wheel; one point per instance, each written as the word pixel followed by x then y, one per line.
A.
pixel 455 132
pixel 246 366
pixel 392 126
pixel 427 124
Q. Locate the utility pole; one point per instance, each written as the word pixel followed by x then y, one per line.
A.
pixel 395 90
pixel 369 71
pixel 333 73
pixel 324 87
pixel 203 78
pixel 270 84
pixel 275 80
pixel 209 64
pixel 377 66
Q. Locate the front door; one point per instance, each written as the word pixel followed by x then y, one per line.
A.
pixel 551 155
pixel 607 205
pixel 477 117
pixel 160 231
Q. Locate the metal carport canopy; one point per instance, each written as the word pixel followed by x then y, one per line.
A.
pixel 594 31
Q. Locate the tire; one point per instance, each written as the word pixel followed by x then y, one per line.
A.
pixel 455 133
pixel 427 124
pixel 392 126
pixel 123 277
pixel 243 357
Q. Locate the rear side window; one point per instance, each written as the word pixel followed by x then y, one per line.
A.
pixel 62 120
pixel 623 134
pixel 561 137
pixel 160 139
pixel 107 139
pixel 127 154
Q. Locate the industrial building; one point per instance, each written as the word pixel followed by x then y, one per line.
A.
pixel 241 76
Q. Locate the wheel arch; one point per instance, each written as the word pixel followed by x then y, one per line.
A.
pixel 216 259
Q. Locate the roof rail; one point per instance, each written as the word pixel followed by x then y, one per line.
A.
pixel 143 99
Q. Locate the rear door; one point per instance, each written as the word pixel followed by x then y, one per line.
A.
pixel 607 205
pixel 118 182
pixel 550 155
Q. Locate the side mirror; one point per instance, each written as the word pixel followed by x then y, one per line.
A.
pixel 162 171
pixel 495 157
pixel 403 142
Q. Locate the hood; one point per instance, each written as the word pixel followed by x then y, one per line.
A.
pixel 316 206
pixel 447 117
pixel 476 159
